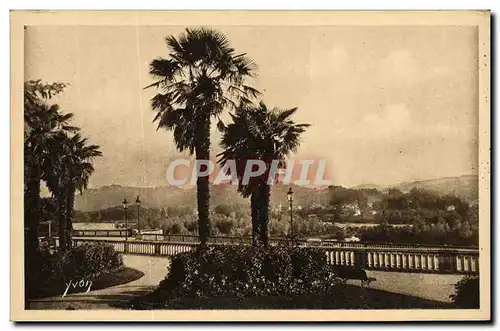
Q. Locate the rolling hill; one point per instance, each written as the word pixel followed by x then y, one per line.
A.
pixel 109 196
pixel 464 186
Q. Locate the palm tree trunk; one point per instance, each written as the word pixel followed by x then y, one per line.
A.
pixel 31 220
pixel 264 214
pixel 32 209
pixel 202 183
pixel 255 213
pixel 62 220
pixel 70 205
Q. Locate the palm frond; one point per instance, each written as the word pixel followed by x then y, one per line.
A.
pixel 257 132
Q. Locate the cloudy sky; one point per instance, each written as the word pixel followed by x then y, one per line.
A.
pixel 386 104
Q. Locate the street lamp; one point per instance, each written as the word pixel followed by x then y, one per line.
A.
pixel 125 206
pixel 50 228
pixel 138 204
pixel 289 195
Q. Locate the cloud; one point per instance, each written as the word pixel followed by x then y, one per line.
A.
pixel 402 66
pixel 325 62
pixel 393 120
pixel 396 122
pixel 338 58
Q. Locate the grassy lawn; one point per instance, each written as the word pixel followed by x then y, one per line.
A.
pixel 119 277
pixel 343 297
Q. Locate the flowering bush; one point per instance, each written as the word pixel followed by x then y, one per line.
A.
pixel 242 271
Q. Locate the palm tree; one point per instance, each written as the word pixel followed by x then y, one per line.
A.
pixel 67 171
pixel 80 169
pixel 259 133
pixel 42 123
pixel 201 77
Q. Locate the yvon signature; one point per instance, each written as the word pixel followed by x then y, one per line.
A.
pixel 78 284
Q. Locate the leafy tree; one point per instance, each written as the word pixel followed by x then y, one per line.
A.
pixel 43 124
pixel 178 211
pixel 340 196
pixel 259 133
pixel 202 77
pixel 224 224
pixel 223 210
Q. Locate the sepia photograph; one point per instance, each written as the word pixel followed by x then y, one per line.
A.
pixel 250 166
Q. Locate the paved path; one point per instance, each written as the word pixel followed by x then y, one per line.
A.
pixel 427 286
pixel 154 269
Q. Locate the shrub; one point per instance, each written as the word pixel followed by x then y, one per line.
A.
pixel 466 293
pixel 242 271
pixel 90 261
pixel 55 268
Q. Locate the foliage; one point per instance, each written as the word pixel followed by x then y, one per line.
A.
pixel 443 232
pixel 466 293
pixel 231 210
pixel 86 262
pixel 36 90
pixel 242 271
pixel 54 151
pixel 267 135
pixel 67 170
pixel 202 77
pixel 224 224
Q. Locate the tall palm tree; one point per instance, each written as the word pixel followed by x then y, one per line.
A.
pixel 80 170
pixel 66 172
pixel 42 123
pixel 201 77
pixel 259 133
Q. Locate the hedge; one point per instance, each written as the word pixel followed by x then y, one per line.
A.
pixel 242 271
pixel 53 269
pixel 466 293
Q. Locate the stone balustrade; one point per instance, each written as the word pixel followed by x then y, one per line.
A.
pixel 399 258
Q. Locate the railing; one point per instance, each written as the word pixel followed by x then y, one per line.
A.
pixel 102 233
pixel 388 258
pixel 248 240
pixel 436 260
pixel 142 247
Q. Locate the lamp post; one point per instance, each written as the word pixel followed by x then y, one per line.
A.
pixel 125 206
pixel 50 228
pixel 138 204
pixel 289 195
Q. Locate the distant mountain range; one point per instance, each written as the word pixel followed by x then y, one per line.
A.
pixel 465 186
pixel 110 196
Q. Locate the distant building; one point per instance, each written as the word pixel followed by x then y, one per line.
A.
pixel 317 206
pixel 352 208
pixel 352 239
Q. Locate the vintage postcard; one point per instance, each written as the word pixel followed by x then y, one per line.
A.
pixel 250 166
